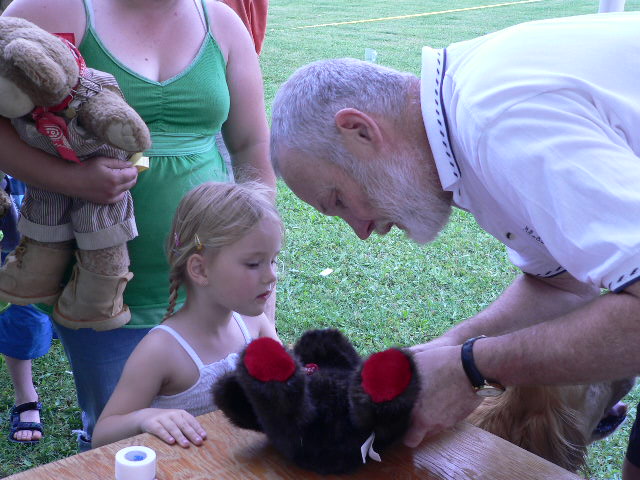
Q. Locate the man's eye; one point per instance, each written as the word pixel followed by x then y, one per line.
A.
pixel 253 265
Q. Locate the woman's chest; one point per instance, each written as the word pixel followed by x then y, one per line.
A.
pixel 156 46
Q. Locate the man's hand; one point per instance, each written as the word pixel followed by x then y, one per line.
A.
pixel 442 341
pixel 173 425
pixel 100 180
pixel 446 396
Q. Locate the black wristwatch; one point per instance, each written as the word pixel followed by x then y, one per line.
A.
pixel 482 386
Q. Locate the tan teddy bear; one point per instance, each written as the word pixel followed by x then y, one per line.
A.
pixel 59 105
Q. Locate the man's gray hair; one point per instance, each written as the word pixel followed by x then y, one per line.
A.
pixel 303 112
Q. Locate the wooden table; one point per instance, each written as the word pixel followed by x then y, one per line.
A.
pixel 465 452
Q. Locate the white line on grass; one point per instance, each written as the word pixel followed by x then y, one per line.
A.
pixel 417 14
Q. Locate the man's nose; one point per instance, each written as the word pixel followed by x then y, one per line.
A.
pixel 363 228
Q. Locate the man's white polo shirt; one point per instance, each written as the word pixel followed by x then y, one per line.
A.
pixel 536 131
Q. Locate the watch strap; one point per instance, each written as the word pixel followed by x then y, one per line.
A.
pixel 469 364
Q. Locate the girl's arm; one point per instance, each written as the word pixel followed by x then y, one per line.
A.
pixel 127 413
pixel 267 328
pixel 246 132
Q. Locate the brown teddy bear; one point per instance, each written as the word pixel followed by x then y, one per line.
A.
pixel 60 106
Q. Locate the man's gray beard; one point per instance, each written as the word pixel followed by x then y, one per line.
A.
pixel 409 196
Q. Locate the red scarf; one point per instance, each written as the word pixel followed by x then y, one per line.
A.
pixel 52 125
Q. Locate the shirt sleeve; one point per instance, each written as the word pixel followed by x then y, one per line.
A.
pixel 566 164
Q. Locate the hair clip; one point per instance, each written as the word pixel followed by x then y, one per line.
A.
pixel 196 240
pixel 176 240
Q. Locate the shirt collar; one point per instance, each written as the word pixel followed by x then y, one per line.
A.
pixel 435 117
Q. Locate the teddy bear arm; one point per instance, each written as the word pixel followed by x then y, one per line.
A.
pixel 229 397
pixel 108 117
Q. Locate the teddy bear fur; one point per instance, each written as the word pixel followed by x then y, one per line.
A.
pixel 320 402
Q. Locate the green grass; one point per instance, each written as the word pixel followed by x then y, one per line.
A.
pixel 385 291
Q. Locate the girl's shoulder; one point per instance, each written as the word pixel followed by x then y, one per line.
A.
pixel 155 345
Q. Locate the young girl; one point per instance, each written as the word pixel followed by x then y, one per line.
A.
pixel 222 248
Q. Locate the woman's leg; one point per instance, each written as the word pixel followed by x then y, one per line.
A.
pixel 97 360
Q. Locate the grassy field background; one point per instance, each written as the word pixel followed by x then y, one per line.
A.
pixel 382 292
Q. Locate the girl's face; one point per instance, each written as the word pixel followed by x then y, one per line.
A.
pixel 243 275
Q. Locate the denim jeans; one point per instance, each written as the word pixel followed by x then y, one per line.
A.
pixel 97 360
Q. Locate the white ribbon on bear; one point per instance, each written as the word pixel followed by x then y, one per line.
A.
pixel 367 449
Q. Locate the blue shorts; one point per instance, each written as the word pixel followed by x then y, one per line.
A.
pixel 25 332
pixel 633 449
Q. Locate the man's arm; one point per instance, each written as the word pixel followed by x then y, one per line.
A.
pixel 594 342
pixel 527 301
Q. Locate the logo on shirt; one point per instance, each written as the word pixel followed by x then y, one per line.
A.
pixel 531 232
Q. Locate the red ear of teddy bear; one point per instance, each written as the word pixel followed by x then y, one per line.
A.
pixel 266 360
pixel 386 375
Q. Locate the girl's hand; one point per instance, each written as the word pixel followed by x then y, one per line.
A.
pixel 173 425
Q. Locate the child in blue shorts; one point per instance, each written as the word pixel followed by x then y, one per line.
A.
pixel 25 334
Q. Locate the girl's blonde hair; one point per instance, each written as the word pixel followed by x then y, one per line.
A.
pixel 214 215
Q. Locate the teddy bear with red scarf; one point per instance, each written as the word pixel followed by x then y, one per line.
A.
pixel 59 105
pixel 321 405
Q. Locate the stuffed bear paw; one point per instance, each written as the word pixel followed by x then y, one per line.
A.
pixel 386 389
pixel 126 135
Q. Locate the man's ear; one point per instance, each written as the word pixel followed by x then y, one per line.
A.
pixel 196 269
pixel 359 131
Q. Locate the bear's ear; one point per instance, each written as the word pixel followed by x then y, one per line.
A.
pixel 35 63
pixel 229 397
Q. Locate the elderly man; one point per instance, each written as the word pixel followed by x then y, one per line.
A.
pixel 535 130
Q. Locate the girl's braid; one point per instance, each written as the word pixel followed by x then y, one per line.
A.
pixel 173 294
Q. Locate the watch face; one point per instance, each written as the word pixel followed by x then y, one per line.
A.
pixel 489 391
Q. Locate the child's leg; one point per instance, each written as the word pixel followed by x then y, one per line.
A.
pixel 25 334
pixel 25 392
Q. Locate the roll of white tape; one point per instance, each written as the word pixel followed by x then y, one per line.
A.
pixel 136 463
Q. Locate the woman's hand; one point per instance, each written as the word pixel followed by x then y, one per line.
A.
pixel 173 426
pixel 100 180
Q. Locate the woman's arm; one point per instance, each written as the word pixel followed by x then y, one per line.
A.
pixel 101 180
pixel 246 132
pixel 127 412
